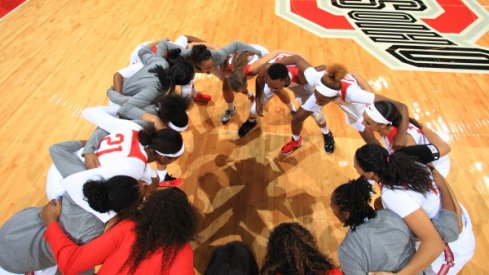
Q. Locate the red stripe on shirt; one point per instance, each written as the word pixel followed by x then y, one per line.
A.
pixel 135 151
pixel 449 259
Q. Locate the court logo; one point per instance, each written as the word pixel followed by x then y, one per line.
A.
pixel 437 35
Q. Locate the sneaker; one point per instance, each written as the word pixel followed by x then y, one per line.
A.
pixel 328 142
pixel 201 97
pixel 291 146
pixel 246 128
pixel 228 114
pixel 170 181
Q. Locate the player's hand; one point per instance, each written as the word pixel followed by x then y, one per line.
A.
pixel 51 211
pixel 91 161
pixel 400 140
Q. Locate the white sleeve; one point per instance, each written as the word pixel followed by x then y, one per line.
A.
pixel 104 117
pixel 130 70
pixel 399 202
pixel 355 94
pixel 182 41
pixel 312 76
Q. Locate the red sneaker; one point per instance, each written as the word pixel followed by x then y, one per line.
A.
pixel 170 181
pixel 291 146
pixel 201 97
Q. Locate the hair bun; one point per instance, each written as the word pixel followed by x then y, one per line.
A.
pixel 337 71
pixel 96 193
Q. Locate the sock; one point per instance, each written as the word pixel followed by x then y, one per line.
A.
pixel 252 119
pixel 249 94
pixel 325 130
pixel 161 174
pixel 296 137
pixel 231 106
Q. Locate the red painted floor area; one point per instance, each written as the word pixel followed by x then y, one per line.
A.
pixel 8 5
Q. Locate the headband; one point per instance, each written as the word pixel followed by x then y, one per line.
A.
pixel 176 128
pixel 175 155
pixel 375 115
pixel 325 90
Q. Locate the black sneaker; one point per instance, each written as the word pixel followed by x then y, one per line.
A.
pixel 246 128
pixel 328 142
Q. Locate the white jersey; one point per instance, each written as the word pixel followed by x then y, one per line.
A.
pixel 352 99
pixel 404 201
pixel 120 154
pixel 456 254
pixel 442 164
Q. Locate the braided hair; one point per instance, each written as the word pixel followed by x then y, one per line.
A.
pixel 354 197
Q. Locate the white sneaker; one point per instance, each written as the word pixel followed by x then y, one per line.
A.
pixel 228 114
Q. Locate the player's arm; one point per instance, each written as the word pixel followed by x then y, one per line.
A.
pixel 237 46
pixel 297 60
pixel 104 117
pixel 118 81
pixel 435 139
pixel 257 66
pixel 259 86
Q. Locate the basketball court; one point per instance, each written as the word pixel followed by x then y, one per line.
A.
pixel 58 57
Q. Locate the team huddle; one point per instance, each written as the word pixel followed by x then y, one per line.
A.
pixel 108 205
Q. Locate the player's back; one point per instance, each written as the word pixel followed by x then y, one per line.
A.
pixel 118 147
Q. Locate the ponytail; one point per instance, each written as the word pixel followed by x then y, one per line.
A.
pixel 395 171
pixel 167 83
pixel 237 80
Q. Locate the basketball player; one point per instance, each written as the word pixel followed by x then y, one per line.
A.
pixel 270 82
pixel 349 91
pixel 127 152
pixel 384 117
pixel 209 61
pixel 135 63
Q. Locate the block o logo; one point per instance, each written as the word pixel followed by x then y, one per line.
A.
pixel 436 35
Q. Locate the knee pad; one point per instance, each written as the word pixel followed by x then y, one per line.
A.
pixel 318 117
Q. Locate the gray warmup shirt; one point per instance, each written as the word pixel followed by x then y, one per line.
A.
pixel 383 243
